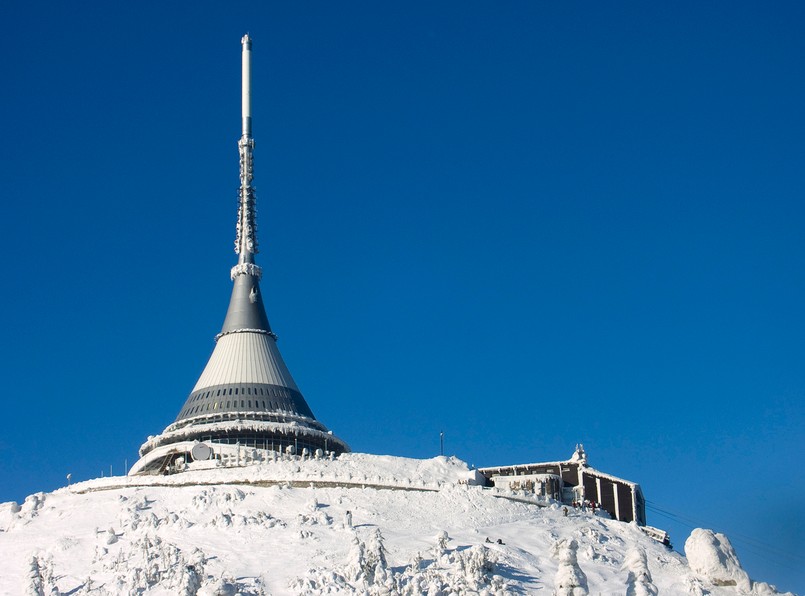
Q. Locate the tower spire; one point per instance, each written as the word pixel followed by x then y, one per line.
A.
pixel 246 310
pixel 246 237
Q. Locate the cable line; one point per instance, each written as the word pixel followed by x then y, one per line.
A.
pixel 757 547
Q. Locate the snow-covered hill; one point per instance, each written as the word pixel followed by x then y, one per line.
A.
pixel 360 524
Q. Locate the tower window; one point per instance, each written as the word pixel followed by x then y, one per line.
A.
pixel 241 403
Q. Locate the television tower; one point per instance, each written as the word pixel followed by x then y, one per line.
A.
pixel 245 397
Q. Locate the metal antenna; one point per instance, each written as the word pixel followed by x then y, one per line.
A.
pixel 246 237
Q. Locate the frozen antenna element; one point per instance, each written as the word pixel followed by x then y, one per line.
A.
pixel 245 396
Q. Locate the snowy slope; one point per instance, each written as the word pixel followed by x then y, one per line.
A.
pixel 283 527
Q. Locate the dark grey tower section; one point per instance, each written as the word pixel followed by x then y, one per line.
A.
pixel 246 309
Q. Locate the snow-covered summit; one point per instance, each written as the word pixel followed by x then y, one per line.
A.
pixel 356 524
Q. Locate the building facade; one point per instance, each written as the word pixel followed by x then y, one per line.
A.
pixel 573 480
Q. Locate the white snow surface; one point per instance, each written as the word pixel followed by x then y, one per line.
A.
pixel 282 527
pixel 711 556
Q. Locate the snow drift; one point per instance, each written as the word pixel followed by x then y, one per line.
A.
pixel 712 559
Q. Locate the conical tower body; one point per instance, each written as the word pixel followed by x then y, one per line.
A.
pixel 246 395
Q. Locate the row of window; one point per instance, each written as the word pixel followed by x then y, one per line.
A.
pixel 279 392
pixel 244 403
pixel 261 442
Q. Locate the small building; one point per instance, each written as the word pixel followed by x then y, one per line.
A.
pixel 573 480
pixel 472 477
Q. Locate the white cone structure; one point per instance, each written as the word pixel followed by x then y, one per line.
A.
pixel 245 397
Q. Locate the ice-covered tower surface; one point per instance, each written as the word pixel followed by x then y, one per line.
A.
pixel 246 395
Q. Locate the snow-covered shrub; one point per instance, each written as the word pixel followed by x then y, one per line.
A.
pixel 441 543
pixel 316 517
pixel 34 583
pixel 375 559
pixel 219 587
pixel 111 537
pixel 367 572
pixel 32 504
pixel 9 512
pixel 570 580
pixel 638 580
pixel 711 557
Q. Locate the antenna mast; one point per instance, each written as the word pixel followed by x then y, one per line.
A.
pixel 246 238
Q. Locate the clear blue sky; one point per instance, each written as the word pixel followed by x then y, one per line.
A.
pixel 527 224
